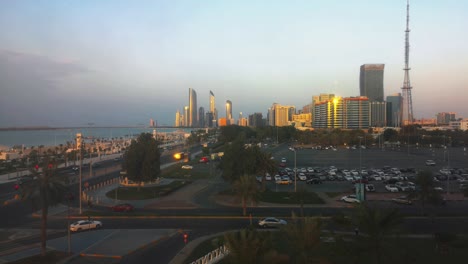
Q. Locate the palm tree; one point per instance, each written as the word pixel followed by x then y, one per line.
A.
pixel 377 226
pixel 300 196
pixel 246 189
pixel 426 192
pixel 303 235
pixel 249 246
pixel 47 190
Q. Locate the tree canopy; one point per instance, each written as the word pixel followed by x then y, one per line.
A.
pixel 142 159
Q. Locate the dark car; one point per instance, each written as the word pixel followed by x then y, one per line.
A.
pixel 122 208
pixel 314 181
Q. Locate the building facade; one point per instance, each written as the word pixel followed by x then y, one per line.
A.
pixel 371 81
pixel 193 115
pixel 346 113
pixel 177 122
pixel 378 114
pixel 445 118
pixel 256 120
pixel 201 116
pixel 213 111
pixel 228 112
pixel 394 110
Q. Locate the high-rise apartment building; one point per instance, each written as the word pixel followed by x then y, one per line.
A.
pixel 209 119
pixel 228 112
pixel 445 118
pixel 186 116
pixel 177 119
pixel 371 81
pixel 193 116
pixel 151 123
pixel 256 120
pixel 281 115
pixel 201 116
pixel 213 110
pixel 348 113
pixel 378 114
pixel 394 110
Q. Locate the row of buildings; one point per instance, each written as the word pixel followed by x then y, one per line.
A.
pixel 370 109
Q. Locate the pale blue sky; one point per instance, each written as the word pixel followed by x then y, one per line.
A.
pixel 123 62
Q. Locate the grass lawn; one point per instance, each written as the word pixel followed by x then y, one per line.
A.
pixel 289 198
pixel 50 257
pixel 132 193
pixel 199 171
pixel 333 194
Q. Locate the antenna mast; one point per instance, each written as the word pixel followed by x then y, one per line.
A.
pixel 406 89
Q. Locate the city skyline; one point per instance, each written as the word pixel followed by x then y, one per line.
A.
pixel 122 63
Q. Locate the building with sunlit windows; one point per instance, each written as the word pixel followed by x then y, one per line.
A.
pixel 192 115
pixel 347 113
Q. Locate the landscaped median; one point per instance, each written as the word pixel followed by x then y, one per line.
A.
pixel 146 192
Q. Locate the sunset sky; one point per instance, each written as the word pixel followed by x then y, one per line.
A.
pixel 69 63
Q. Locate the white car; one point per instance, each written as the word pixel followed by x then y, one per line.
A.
pixel 350 199
pixel 430 163
pixel 391 188
pixel 85 225
pixel 283 160
pixel 187 167
pixel 271 222
pixel 302 176
pixel 268 177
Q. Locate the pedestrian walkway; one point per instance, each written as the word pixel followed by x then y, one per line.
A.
pixel 13 176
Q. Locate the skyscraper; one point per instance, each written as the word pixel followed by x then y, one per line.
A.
pixel 350 113
pixel 193 116
pixel 186 116
pixel 177 119
pixel 213 110
pixel 201 116
pixel 371 81
pixel 394 110
pixel 228 112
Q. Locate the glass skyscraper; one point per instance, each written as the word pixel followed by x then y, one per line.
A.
pixel 193 116
pixel 371 81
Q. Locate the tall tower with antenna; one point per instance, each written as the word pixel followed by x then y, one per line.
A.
pixel 406 89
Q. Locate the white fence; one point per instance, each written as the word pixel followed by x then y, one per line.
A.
pixel 212 257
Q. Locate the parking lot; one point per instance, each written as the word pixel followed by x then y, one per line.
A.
pixel 388 162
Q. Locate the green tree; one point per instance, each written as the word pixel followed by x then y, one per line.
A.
pixel 246 190
pixel 249 246
pixel 142 159
pixel 390 135
pixel 303 235
pixel 425 191
pixel 377 227
pixel 48 189
pixel 299 196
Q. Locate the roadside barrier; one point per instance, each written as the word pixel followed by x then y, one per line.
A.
pixel 213 257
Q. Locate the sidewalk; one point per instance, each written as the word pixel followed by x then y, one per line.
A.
pixel 12 176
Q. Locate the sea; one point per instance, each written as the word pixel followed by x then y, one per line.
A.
pixel 55 137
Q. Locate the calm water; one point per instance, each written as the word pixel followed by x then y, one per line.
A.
pixel 61 136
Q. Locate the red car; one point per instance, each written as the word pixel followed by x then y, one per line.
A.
pixel 204 160
pixel 122 208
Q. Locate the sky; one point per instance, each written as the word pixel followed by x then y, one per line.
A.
pixel 70 63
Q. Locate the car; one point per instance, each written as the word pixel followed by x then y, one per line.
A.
pixel 391 188
pixel 75 168
pixel 430 163
pixel 268 177
pixel 282 164
pixel 122 208
pixel 204 160
pixel 314 181
pixel 302 176
pixel 277 178
pixel 284 181
pixel 271 222
pixel 402 200
pixel 283 160
pixel 85 225
pixel 187 167
pixel 350 199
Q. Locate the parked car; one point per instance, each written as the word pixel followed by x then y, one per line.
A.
pixel 430 163
pixel 314 181
pixel 391 188
pixel 271 222
pixel 402 200
pixel 283 160
pixel 122 208
pixel 204 160
pixel 187 167
pixel 350 199
pixel 85 225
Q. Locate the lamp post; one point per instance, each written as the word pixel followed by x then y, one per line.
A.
pixel 360 155
pixel 295 171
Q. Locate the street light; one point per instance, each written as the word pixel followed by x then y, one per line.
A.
pixel 295 171
pixel 360 155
